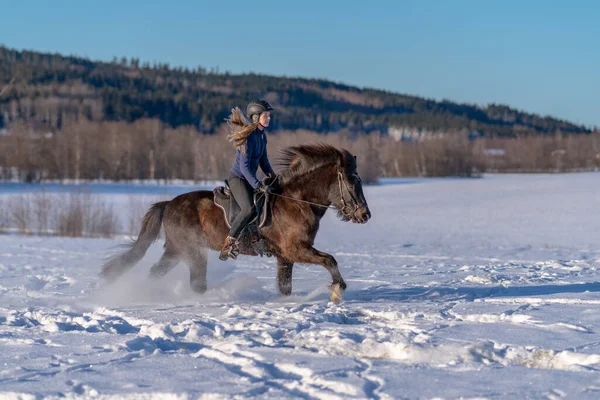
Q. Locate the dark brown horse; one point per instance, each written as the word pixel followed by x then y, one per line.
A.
pixel 313 178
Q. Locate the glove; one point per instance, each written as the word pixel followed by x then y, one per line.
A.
pixel 267 181
pixel 262 188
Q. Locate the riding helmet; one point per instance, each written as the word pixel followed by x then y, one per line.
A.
pixel 257 107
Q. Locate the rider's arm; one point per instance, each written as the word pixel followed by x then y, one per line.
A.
pixel 265 165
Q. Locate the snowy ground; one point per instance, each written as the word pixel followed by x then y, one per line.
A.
pixel 486 288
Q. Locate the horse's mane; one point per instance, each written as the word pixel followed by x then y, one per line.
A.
pixel 297 161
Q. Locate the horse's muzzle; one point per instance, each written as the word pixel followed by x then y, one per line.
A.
pixel 362 215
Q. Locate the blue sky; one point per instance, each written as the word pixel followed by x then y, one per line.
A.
pixel 538 56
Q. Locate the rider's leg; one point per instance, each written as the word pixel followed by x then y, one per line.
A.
pixel 243 194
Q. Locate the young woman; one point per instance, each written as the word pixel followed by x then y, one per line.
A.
pixel 250 141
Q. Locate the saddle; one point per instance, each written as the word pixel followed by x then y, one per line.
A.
pixel 225 201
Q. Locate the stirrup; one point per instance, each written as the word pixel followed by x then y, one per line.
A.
pixel 230 250
pixel 230 253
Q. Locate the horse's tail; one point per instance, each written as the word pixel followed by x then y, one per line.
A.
pixel 120 263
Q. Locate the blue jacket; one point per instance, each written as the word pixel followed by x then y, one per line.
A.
pixel 246 165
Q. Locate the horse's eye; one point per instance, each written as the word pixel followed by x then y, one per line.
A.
pixel 352 179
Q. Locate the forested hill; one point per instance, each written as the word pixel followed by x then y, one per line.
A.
pixel 46 89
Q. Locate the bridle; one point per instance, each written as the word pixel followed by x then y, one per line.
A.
pixel 344 205
pixel 352 210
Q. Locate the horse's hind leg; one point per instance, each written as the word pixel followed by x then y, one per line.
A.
pixel 197 260
pixel 167 261
pixel 284 276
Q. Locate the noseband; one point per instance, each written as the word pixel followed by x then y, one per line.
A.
pixel 351 211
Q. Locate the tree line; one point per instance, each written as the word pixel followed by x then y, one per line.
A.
pixel 151 149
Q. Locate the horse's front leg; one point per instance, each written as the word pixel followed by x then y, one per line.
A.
pixel 284 276
pixel 311 255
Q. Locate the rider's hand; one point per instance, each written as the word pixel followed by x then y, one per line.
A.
pixel 267 181
pixel 262 188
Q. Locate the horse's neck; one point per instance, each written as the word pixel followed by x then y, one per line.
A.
pixel 313 187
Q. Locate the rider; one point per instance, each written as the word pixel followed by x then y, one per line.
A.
pixel 250 141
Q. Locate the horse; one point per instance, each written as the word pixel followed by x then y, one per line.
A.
pixel 311 179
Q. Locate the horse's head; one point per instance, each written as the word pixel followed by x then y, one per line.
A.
pixel 350 199
pixel 326 175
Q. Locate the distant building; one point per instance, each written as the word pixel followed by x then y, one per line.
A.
pixel 408 133
pixel 495 152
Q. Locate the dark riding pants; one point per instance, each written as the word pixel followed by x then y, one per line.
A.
pixel 244 196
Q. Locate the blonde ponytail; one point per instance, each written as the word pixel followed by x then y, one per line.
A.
pixel 239 129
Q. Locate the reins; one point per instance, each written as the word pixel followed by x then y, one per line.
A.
pixel 340 180
pixel 304 201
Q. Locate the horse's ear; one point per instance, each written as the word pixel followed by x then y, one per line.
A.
pixel 354 158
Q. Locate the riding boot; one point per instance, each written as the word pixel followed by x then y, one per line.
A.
pixel 230 249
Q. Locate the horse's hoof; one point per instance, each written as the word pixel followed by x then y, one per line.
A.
pixel 337 293
pixel 198 286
